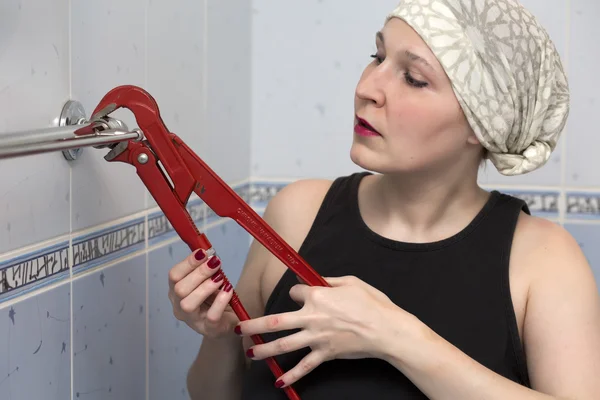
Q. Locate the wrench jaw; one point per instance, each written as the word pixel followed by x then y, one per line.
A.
pixel 104 111
pixel 115 154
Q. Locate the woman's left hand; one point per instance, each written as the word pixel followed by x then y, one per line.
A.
pixel 347 321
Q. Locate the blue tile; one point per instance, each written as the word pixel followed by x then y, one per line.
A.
pixel 172 344
pixel 34 347
pixel 588 237
pixel 109 332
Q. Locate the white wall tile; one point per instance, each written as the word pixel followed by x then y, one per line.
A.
pixel 583 167
pixel 307 58
pixel 34 85
pixel 176 67
pixel 108 48
pixel 225 142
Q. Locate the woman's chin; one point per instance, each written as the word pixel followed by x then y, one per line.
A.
pixel 366 159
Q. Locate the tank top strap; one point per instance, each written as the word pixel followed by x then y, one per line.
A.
pixel 342 193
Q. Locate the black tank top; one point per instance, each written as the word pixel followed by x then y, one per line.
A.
pixel 458 286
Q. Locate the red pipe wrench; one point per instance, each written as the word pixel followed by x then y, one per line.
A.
pixel 188 173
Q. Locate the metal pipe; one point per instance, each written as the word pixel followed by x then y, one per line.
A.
pixel 104 138
pixel 40 135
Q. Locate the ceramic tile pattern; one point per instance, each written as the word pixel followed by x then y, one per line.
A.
pixel 173 345
pixel 105 190
pixel 238 82
pixel 35 342
pixel 34 85
pixel 109 332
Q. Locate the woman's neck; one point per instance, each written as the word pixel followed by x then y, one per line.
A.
pixel 418 207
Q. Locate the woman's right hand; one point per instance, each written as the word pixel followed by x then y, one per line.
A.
pixel 197 296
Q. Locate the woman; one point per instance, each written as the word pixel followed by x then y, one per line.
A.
pixel 441 290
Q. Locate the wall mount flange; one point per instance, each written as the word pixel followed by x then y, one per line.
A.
pixel 72 113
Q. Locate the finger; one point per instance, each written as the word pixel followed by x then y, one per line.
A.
pixel 182 269
pixel 215 312
pixel 271 323
pixel 191 281
pixel 283 345
pixel 199 295
pixel 341 280
pixel 351 280
pixel 299 293
pixel 311 361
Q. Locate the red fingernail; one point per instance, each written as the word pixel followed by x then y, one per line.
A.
pixel 238 330
pixel 279 383
pixel 214 262
pixel 199 255
pixel 228 287
pixel 250 353
pixel 218 277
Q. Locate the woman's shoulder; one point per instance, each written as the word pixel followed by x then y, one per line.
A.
pixel 546 247
pixel 552 260
pixel 293 209
pixel 544 240
pixel 562 312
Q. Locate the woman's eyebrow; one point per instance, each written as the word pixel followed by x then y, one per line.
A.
pixel 411 56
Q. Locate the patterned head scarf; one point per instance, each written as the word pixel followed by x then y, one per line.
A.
pixel 505 72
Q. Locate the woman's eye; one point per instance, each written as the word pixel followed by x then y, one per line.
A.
pixel 413 82
pixel 407 76
pixel 376 57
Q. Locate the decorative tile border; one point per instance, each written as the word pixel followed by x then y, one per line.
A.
pixel 262 192
pixel 25 273
pixel 33 270
pixel 582 205
pixel 103 246
pixel 541 203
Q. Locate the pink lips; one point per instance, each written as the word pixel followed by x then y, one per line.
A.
pixel 363 128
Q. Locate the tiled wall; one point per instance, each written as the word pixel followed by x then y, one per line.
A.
pixel 303 102
pixel 84 251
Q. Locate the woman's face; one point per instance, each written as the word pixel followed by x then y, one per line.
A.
pixel 405 95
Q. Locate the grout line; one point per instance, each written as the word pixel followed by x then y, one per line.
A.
pixel 70 51
pixel 70 261
pixel 563 153
pixel 146 194
pixel 205 69
pixel 147 316
pixel 575 221
pixel 46 288
pixel 70 248
pixel 69 237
